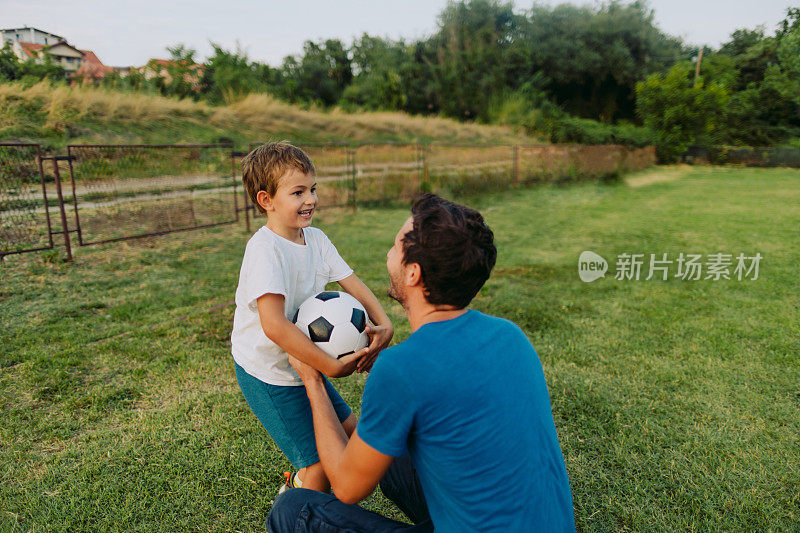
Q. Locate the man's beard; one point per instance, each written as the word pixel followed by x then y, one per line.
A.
pixel 395 293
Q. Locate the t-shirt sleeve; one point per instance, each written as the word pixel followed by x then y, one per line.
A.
pixel 338 268
pixel 388 408
pixel 262 272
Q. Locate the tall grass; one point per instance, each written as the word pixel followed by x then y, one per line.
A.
pixel 59 115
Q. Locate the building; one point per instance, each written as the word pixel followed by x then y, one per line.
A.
pixel 61 53
pixel 30 35
pixel 92 68
pixel 32 43
pixel 165 69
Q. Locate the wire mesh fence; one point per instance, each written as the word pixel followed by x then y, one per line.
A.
pixel 334 163
pixel 335 173
pixel 25 224
pixel 125 191
pixel 114 192
pixel 751 156
pixel 385 172
pixel 460 169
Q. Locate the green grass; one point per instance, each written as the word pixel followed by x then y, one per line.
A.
pixel 677 403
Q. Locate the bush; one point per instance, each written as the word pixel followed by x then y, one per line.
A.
pixel 537 115
pixel 680 111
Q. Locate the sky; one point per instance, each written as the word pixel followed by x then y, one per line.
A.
pixel 124 32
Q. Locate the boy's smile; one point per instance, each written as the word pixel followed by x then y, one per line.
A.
pixel 293 205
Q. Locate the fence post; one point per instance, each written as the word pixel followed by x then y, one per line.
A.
pixel 423 153
pixel 44 195
pixel 516 164
pixel 355 180
pixel 74 196
pixel 233 178
pixel 246 210
pixel 57 176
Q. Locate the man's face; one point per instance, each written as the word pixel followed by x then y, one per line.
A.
pixel 394 264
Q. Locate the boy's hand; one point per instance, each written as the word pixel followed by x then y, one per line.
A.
pixel 347 365
pixel 380 337
pixel 353 361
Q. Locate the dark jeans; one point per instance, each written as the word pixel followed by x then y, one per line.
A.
pixel 303 510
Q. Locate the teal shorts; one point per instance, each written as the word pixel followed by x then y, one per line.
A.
pixel 286 415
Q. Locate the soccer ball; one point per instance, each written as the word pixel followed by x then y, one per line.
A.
pixel 335 321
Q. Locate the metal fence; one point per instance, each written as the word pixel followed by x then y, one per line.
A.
pixel 25 224
pixel 751 156
pixel 121 192
pixel 118 192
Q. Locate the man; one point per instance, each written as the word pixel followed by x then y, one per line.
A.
pixel 455 421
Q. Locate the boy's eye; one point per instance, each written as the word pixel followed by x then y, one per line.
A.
pixel 313 190
pixel 297 193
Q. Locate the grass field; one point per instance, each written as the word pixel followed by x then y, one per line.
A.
pixel 677 402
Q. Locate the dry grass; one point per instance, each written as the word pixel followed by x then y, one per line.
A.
pixel 69 103
pixel 263 112
pixel 658 175
pixel 73 111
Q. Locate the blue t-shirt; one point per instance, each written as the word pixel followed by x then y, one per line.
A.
pixel 467 399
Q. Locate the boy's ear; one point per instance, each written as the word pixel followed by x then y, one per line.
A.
pixel 264 200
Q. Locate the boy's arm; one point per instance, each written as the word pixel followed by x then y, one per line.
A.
pixel 289 337
pixel 381 333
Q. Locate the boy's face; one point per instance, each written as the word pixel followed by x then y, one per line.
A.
pixel 295 200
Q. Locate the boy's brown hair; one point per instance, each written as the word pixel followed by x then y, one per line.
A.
pixel 263 167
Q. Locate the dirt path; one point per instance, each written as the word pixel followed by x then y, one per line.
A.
pixel 658 175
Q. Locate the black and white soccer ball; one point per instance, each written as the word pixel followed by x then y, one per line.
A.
pixel 335 321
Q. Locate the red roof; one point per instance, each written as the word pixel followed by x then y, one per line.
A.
pixel 92 67
pixel 30 49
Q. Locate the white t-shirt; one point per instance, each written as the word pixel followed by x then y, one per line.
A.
pixel 272 264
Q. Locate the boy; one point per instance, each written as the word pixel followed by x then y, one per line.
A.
pixel 285 262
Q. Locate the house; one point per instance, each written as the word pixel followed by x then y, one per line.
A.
pixel 61 53
pixel 30 35
pixel 92 68
pixel 32 43
pixel 166 68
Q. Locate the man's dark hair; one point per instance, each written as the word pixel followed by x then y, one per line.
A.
pixel 453 247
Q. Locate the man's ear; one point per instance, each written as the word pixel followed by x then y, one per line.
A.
pixel 413 274
pixel 264 200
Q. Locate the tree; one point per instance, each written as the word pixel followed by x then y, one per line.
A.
pixel 678 111
pixel 470 47
pixel 183 73
pixel 377 82
pixel 595 56
pixel 229 76
pixel 321 75
pixel 29 71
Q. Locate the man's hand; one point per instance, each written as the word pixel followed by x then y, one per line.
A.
pixel 346 366
pixel 306 372
pixel 380 337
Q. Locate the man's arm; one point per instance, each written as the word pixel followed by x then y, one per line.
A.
pixel 353 467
